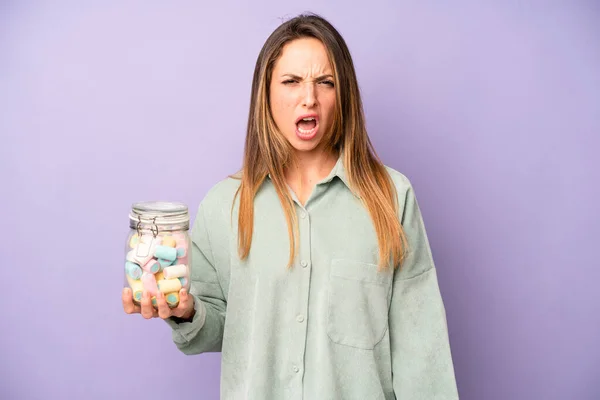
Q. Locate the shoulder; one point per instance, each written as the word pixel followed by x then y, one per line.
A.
pixel 219 197
pixel 405 193
pixel 222 192
pixel 213 214
pixel 401 182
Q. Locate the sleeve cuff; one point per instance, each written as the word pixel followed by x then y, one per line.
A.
pixel 183 332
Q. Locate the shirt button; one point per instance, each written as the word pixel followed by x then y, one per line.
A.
pixel 303 214
pixel 296 369
pixel 300 318
pixel 304 264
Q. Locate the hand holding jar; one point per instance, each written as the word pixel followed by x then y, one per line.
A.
pixel 157 261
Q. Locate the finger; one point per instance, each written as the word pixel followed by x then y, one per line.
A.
pixel 147 309
pixel 179 311
pixel 128 305
pixel 163 308
pixel 185 306
pixel 154 309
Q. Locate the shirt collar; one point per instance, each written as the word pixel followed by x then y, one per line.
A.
pixel 338 171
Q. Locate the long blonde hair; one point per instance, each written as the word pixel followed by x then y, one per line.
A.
pixel 268 152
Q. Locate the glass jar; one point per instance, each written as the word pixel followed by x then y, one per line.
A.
pixel 157 251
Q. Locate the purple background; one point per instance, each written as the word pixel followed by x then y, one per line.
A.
pixel 492 110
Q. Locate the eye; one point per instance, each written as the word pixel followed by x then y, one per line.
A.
pixel 328 83
pixel 289 81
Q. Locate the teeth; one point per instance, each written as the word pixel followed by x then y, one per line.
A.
pixel 308 119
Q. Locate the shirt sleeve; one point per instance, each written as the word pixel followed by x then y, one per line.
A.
pixel 204 333
pixel 422 365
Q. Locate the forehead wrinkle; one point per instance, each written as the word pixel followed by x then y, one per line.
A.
pixel 314 71
pixel 301 62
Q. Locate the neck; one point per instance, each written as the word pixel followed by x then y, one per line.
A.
pixel 310 167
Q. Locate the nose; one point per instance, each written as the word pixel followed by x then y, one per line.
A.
pixel 309 98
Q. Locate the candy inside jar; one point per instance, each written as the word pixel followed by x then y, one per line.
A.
pixel 157 257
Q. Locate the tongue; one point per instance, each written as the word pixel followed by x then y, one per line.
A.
pixel 307 125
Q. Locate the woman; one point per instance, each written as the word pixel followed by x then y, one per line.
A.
pixel 312 272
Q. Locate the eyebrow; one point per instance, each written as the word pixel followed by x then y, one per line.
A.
pixel 296 77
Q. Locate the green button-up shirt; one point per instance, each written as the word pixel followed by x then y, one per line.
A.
pixel 330 327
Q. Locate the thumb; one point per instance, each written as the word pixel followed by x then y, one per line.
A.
pixel 186 304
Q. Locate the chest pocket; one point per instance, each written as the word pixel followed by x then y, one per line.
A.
pixel 358 303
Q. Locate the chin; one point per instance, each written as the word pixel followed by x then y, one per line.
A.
pixel 305 146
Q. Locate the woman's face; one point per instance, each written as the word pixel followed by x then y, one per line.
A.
pixel 302 93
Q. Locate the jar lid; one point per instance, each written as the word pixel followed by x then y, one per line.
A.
pixel 159 213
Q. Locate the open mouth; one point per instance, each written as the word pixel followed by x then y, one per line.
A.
pixel 306 127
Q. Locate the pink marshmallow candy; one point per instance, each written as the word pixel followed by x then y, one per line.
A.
pixel 152 266
pixel 149 282
pixel 182 260
pixel 181 239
